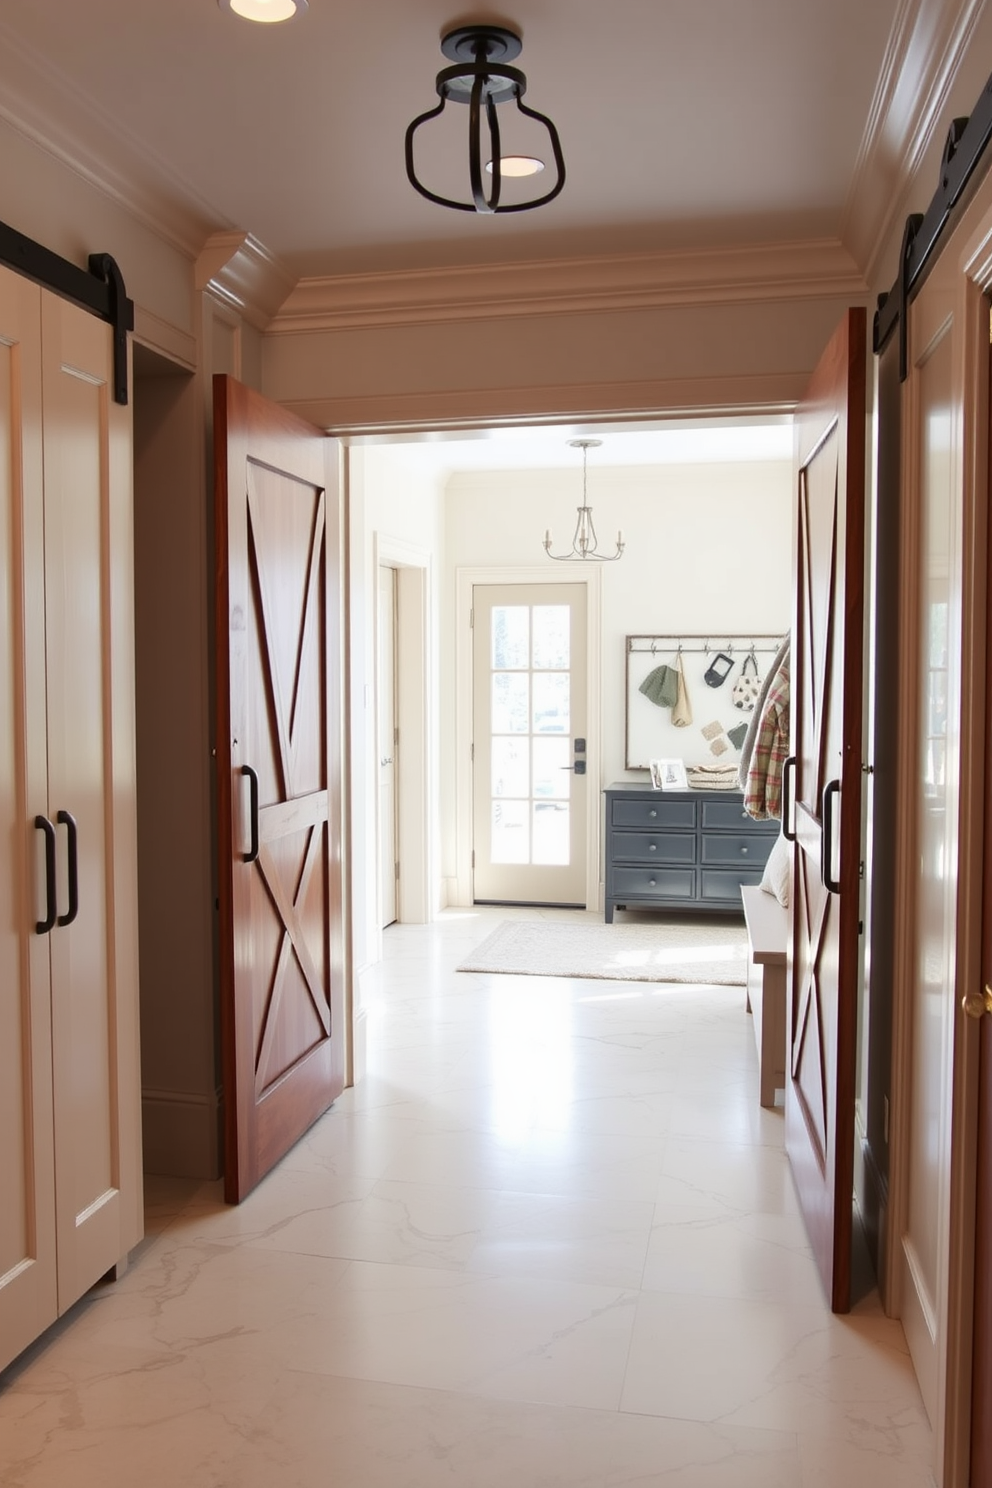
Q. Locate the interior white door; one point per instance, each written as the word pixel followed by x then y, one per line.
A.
pixel 388 744
pixel 530 787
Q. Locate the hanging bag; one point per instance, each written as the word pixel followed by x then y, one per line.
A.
pixel 718 670
pixel 744 693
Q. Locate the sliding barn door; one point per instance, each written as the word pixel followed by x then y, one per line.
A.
pixel 826 791
pixel 279 778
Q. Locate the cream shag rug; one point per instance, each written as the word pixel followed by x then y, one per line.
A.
pixel 664 952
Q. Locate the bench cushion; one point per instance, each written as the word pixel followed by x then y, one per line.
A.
pixel 767 926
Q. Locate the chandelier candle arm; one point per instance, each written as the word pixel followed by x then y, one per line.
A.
pixel 585 544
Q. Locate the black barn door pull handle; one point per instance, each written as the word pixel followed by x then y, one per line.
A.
pixel 788 786
pixel 67 820
pixel 830 794
pixel 252 853
pixel 42 927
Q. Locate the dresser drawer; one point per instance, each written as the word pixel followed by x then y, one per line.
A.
pixel 657 883
pixel 650 847
pixel 655 812
pixel 747 848
pixel 721 886
pixel 730 816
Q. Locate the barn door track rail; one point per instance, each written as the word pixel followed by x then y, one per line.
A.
pixel 98 289
pixel 964 148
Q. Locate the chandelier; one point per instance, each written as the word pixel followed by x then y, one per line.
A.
pixel 481 78
pixel 585 545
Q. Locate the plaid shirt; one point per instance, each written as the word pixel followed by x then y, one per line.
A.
pixel 763 793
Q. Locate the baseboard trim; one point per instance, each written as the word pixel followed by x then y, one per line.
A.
pixel 182 1133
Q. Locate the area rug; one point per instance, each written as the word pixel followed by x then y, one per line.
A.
pixel 662 952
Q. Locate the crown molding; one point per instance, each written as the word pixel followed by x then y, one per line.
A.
pixel 44 107
pixel 927 44
pixel 778 271
pixel 241 272
pixel 457 408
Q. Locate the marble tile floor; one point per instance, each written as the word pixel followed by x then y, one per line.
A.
pixel 551 1239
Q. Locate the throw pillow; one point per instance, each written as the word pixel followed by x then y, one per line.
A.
pixel 777 871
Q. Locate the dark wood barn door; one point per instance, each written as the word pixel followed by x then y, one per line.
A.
pixel 278 772
pixel 826 791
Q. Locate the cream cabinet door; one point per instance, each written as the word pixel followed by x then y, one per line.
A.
pixel 91 799
pixel 28 1295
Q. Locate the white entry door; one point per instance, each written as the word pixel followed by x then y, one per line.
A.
pixel 388 745
pixel 530 786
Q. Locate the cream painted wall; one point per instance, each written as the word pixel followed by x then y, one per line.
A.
pixel 709 549
pixel 406 510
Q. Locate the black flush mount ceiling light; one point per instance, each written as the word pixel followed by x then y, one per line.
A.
pixel 481 78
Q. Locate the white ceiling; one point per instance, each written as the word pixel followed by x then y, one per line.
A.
pixel 683 123
pixel 695 442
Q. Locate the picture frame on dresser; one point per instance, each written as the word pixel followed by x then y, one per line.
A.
pixel 668 775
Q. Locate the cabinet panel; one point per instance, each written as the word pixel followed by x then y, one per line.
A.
pixel 28 1297
pixel 720 886
pixel 91 777
pixel 654 883
pixel 719 816
pixel 652 811
pixel 735 847
pixel 645 847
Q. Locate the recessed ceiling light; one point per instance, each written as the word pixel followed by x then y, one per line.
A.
pixel 266 11
pixel 517 165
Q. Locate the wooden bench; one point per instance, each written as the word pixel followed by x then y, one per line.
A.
pixel 767 933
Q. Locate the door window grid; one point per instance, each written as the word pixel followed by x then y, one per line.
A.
pixel 530 778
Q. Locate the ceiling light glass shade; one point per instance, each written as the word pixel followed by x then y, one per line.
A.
pixel 266 11
pixel 517 165
pixel 481 79
pixel 585 544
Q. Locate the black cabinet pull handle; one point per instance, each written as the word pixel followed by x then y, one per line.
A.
pixel 42 927
pixel 252 853
pixel 67 820
pixel 830 794
pixel 788 788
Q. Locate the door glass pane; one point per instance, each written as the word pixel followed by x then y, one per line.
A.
pixel 511 767
pixel 511 636
pixel 510 700
pixel 550 833
pixel 551 696
pixel 551 636
pixel 509 834
pixel 552 776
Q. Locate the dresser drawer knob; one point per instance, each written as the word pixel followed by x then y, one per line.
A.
pixel 651 883
pixel 652 847
pixel 652 812
pixel 744 851
pixel 744 816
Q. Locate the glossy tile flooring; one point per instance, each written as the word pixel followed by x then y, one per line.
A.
pixel 551 1239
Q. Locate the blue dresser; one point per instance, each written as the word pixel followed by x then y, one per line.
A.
pixel 681 850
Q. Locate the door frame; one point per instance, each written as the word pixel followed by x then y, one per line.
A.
pixel 416 790
pixel 465 581
pixel 967 261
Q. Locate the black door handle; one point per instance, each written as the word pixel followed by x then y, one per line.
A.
pixel 67 820
pixel 42 927
pixel 788 786
pixel 252 853
pixel 830 794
